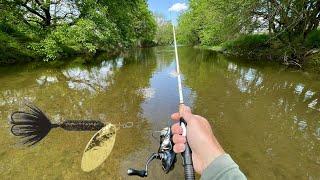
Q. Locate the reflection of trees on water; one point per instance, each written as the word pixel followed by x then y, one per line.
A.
pixel 119 88
pixel 43 80
pixel 94 79
pixel 257 110
pixel 10 98
pixel 164 56
pixel 293 96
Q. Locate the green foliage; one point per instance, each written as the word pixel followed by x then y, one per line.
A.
pixel 211 22
pixel 134 22
pixel 248 43
pixel 12 49
pixel 187 32
pixel 164 34
pixel 292 24
pixel 313 39
pixel 84 27
pixel 313 63
pixel 85 36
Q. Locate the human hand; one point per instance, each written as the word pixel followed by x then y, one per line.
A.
pixel 204 145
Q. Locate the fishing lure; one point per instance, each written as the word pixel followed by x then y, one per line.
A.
pixel 99 148
pixel 34 125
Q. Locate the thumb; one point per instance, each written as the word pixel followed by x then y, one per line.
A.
pixel 185 112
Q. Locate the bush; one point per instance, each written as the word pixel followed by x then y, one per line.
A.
pixel 82 38
pixel 12 49
pixel 313 39
pixel 248 43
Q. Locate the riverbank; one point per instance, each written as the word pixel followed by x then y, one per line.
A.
pixel 13 57
pixel 313 63
pixel 262 50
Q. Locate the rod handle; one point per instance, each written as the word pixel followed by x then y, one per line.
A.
pixel 187 156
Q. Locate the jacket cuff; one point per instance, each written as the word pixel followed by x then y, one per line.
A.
pixel 219 166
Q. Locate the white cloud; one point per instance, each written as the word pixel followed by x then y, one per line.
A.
pixel 179 7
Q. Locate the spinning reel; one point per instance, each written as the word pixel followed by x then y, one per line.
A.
pixel 165 154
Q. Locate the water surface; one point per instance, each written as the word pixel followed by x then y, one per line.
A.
pixel 266 116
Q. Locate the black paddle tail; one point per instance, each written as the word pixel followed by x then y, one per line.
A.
pixel 34 125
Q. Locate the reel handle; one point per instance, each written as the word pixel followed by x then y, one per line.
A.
pixel 140 173
pixel 187 155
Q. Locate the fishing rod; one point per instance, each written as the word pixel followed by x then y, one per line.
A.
pixel 165 152
pixel 187 154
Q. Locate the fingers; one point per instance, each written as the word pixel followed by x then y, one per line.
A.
pixel 176 129
pixel 178 139
pixel 184 109
pixel 179 148
pixel 175 116
pixel 185 112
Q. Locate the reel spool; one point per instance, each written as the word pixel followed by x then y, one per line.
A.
pixel 165 154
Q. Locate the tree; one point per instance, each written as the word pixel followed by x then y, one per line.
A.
pixel 288 23
pixel 164 34
pixel 44 13
pixel 58 28
pixel 211 22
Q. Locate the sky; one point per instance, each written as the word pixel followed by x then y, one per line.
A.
pixel 163 6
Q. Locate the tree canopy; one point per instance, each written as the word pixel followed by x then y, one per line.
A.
pixel 164 34
pixel 53 28
pixel 290 23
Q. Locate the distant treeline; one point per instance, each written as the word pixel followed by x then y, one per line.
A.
pixel 286 30
pixel 51 29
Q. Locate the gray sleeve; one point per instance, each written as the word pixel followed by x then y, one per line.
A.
pixel 223 168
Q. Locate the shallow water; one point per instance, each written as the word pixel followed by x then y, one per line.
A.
pixel 267 117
